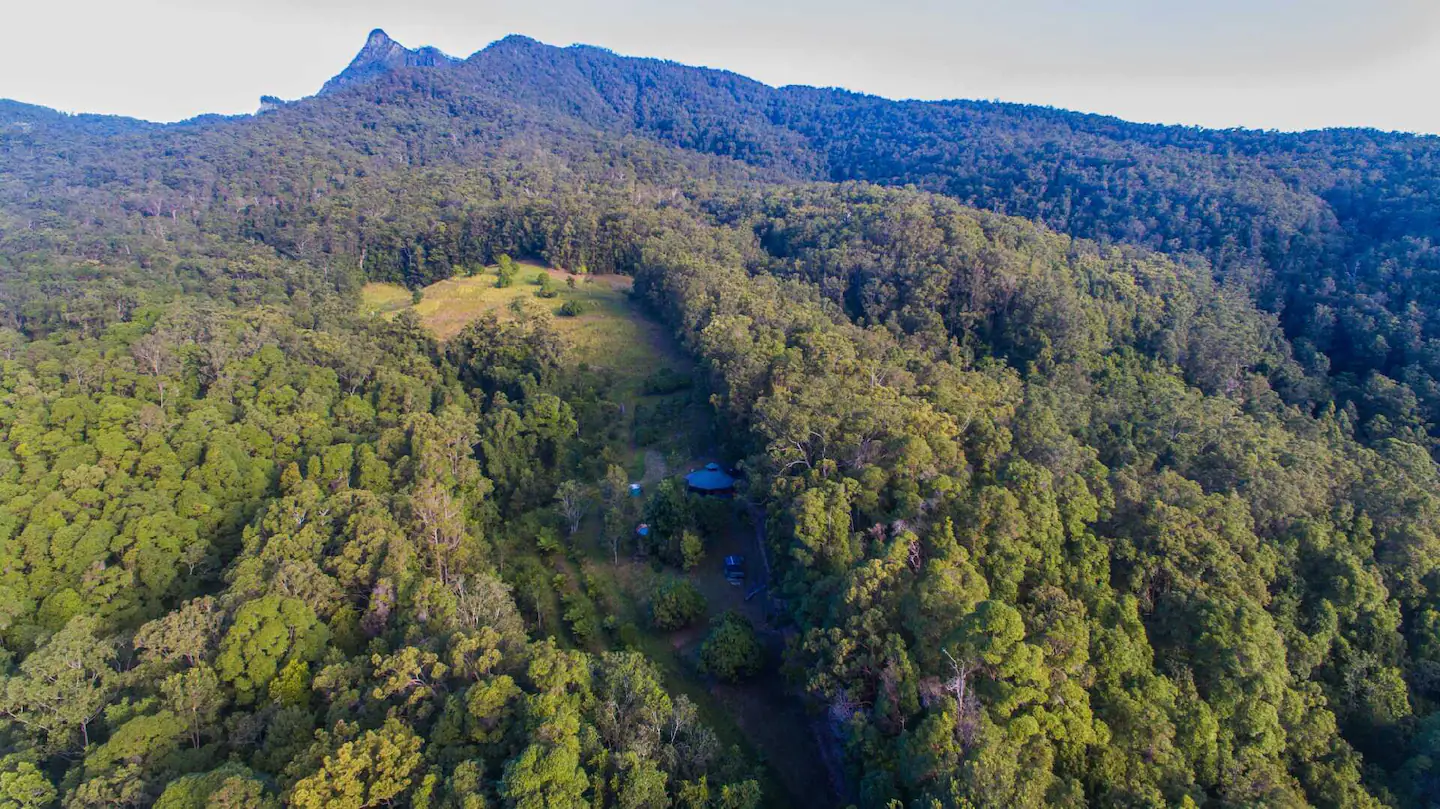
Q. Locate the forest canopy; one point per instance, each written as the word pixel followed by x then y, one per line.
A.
pixel 1095 462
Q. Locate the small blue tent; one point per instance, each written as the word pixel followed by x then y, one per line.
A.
pixel 711 480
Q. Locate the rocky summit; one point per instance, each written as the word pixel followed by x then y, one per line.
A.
pixel 381 53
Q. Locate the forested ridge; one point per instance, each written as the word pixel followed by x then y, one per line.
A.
pixel 1097 460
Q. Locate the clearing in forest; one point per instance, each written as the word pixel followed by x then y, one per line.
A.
pixel 609 333
pixel 667 426
pixel 760 715
pixel 385 299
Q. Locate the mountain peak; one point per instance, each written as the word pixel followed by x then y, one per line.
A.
pixel 378 48
pixel 380 54
pixel 517 39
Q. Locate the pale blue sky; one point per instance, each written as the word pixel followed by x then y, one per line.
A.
pixel 1286 64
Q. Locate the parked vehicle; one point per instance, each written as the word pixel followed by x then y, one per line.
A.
pixel 735 570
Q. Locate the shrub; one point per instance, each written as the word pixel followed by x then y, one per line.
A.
pixel 630 636
pixel 548 540
pixel 574 308
pixel 675 603
pixel 581 615
pixel 713 515
pixel 417 295
pixel 505 272
pixel 656 423
pixel 692 550
pixel 732 651
pixel 547 289
pixel 666 380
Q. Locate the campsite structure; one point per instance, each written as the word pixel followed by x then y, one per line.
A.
pixel 712 481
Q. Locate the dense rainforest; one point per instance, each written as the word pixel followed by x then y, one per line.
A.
pixel 1095 462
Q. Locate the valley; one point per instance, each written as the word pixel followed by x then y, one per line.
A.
pixel 346 450
pixel 764 720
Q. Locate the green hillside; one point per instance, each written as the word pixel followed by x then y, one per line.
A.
pixel 1078 462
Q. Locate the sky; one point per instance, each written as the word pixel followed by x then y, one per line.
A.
pixel 1270 64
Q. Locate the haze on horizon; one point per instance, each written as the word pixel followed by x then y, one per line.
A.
pixel 1269 64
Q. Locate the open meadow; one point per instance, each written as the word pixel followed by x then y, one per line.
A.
pixel 611 332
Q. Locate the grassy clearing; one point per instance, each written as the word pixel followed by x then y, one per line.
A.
pixel 610 334
pixel 613 333
pixel 384 299
pixel 760 718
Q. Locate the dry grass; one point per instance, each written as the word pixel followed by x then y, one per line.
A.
pixel 612 333
pixel 384 299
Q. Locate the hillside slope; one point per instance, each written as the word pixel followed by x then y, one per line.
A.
pixel 1049 520
pixel 1334 230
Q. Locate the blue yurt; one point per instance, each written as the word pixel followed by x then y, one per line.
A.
pixel 712 480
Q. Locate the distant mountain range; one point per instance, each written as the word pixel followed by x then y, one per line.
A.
pixel 1312 224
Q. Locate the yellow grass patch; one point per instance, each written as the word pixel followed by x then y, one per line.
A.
pixel 384 298
pixel 612 333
